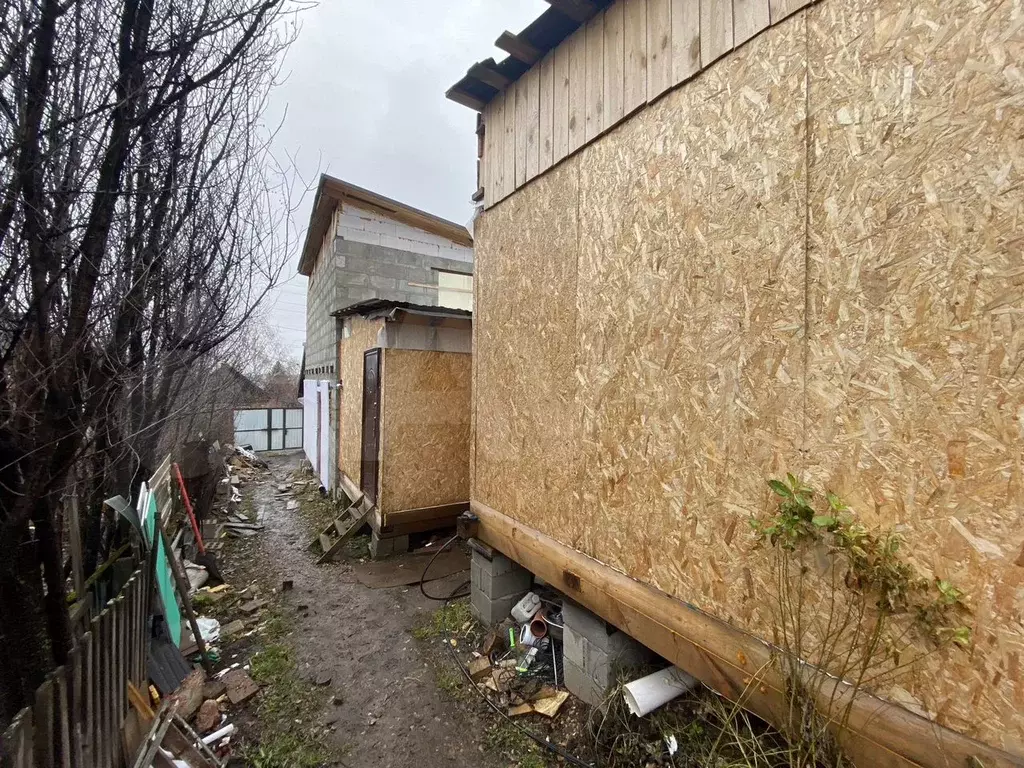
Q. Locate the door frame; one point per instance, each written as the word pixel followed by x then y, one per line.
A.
pixel 369 444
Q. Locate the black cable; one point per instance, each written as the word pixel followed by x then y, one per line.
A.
pixel 567 756
pixel 423 578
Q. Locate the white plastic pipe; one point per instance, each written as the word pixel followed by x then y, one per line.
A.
pixel 216 736
pixel 648 693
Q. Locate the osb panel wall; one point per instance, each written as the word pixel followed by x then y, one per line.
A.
pixel 527 417
pixel 915 385
pixel 365 334
pixel 723 289
pixel 425 429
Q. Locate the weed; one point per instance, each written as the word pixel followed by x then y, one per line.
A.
pixel 450 619
pixel 275 627
pixel 450 683
pixel 508 741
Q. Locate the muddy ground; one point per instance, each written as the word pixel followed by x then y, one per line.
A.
pixel 383 705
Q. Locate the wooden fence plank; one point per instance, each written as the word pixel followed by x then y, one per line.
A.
pixel 578 89
pixel 43 716
pixel 749 18
pixel 685 39
pixel 560 103
pixel 103 683
pixel 614 63
pixel 508 146
pixel 595 78
pixel 522 129
pixel 545 134
pixel 780 9
pixel 634 88
pixel 119 689
pixel 532 78
pixel 659 47
pixel 88 702
pixel 715 30
pixel 62 718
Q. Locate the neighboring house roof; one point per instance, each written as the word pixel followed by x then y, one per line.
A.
pixel 333 191
pixel 382 307
pixel 245 387
pixel 486 79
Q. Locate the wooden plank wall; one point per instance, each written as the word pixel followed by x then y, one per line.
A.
pixel 623 58
pixel 79 711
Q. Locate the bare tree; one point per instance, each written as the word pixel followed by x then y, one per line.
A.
pixel 137 233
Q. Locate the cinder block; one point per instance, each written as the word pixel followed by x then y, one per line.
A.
pixel 390 546
pixel 489 611
pixel 587 624
pixel 581 685
pixel 383 283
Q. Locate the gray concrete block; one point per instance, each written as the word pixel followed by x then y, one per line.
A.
pixel 497 565
pixel 389 546
pixel 489 611
pixel 587 624
pixel 353 278
pixel 581 685
pixel 383 283
pixel 574 646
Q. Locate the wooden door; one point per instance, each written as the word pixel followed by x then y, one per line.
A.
pixel 370 463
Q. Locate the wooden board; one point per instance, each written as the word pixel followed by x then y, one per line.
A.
pixel 365 335
pixel 560 104
pixel 685 39
pixel 614 63
pixel 546 134
pixel 522 132
pixel 594 79
pixel 508 147
pixel 425 429
pixel 750 17
pixel 634 88
pixel 780 9
pixel 577 115
pixel 716 30
pixel 659 47
pixel 532 81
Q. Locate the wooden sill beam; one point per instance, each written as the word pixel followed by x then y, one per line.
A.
pixel 577 10
pixel 518 48
pixel 728 660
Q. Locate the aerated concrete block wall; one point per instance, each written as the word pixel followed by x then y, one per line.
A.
pixel 497 584
pixel 371 257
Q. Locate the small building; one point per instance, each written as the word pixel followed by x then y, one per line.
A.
pixel 404 415
pixel 757 237
pixel 361 246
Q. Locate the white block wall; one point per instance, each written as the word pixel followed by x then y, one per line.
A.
pixel 362 226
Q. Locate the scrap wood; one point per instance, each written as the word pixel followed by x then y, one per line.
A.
pixel 189 696
pixel 479 669
pixel 521 709
pixel 549 706
pixel 253 606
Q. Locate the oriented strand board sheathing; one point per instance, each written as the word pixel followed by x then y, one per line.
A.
pixel 691 275
pixel 915 388
pixel 365 335
pixel 527 417
pixel 425 429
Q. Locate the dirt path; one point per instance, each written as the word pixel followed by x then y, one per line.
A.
pixel 392 713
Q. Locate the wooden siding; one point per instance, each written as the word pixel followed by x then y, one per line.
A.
pixel 624 57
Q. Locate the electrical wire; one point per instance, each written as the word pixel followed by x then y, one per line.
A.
pixel 455 595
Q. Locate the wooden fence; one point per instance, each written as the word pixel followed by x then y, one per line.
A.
pixel 79 711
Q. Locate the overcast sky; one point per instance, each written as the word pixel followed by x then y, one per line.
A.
pixel 363 100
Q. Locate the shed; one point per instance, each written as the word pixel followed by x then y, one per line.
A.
pixel 404 414
pixel 759 237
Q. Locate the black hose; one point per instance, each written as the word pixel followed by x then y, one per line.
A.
pixel 423 578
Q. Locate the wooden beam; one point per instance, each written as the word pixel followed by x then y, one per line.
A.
pixel 732 662
pixel 459 96
pixel 518 48
pixel 577 10
pixel 484 72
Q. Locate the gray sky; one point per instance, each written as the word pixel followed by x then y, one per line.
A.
pixel 363 100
